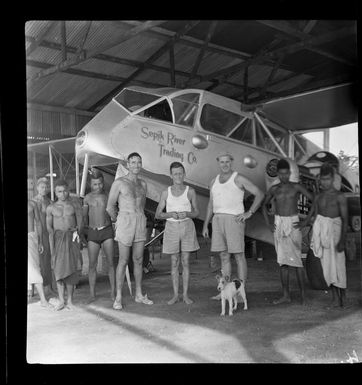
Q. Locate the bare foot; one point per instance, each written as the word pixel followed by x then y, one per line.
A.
pixel 282 300
pixel 46 304
pixel 173 300
pixel 117 305
pixel 59 306
pixel 90 300
pixel 187 300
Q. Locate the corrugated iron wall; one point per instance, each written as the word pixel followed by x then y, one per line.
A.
pixel 49 125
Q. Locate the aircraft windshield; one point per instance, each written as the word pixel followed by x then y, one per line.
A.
pixel 185 108
pixel 218 120
pixel 134 100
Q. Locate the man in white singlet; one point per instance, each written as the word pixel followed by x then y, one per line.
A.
pixel 180 233
pixel 227 209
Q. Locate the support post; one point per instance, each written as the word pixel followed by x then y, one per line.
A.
pixel 291 145
pixel 270 135
pixel 34 171
pixel 77 175
pixel 253 130
pixel 326 139
pixel 51 174
pixel 84 176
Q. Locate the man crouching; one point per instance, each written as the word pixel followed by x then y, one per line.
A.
pixel 64 222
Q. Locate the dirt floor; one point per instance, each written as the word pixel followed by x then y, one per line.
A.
pixel 266 333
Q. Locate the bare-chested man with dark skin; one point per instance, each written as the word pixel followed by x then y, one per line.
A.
pixel 287 235
pixel 35 246
pixel 330 209
pixel 42 200
pixel 130 193
pixel 100 232
pixel 64 222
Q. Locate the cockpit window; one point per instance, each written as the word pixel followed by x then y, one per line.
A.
pixel 134 100
pixel 185 108
pixel 160 111
pixel 218 120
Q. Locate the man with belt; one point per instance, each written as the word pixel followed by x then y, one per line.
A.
pixel 129 192
pixel 100 232
pixel 226 208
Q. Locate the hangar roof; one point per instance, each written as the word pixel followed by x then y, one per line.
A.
pixel 83 64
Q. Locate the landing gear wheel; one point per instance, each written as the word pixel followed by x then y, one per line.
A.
pixel 356 223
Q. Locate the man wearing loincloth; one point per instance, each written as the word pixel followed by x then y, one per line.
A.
pixel 64 223
pixel 329 232
pixel 43 201
pixel 180 234
pixel 35 246
pixel 99 232
pixel 226 208
pixel 287 234
pixel 129 192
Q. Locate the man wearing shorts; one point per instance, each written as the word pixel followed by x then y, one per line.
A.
pixel 100 232
pixel 180 233
pixel 227 209
pixel 129 192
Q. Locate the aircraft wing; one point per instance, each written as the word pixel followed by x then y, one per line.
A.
pixel 64 146
pixel 324 108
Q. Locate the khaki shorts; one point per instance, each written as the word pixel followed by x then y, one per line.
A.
pixel 227 234
pixel 180 236
pixel 130 227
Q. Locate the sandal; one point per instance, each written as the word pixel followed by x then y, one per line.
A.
pixel 144 300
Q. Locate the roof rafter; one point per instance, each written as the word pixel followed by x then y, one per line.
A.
pixel 150 60
pixel 36 42
pixel 87 55
pixel 292 48
pixel 284 27
pixel 202 51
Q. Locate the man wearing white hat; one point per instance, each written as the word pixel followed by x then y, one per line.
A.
pixel 226 208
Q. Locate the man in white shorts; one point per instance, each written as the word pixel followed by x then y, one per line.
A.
pixel 180 233
pixel 227 209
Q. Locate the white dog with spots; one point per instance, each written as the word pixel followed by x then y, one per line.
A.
pixel 229 291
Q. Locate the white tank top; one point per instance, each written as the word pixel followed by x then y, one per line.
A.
pixel 180 203
pixel 227 197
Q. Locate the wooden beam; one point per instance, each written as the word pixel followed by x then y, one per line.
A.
pixel 309 26
pixel 133 63
pixel 246 84
pixel 77 60
pixel 63 39
pixel 271 75
pixel 285 27
pixel 36 42
pixel 289 49
pixel 150 60
pixel 84 39
pixel 89 74
pixel 172 67
pixel 202 50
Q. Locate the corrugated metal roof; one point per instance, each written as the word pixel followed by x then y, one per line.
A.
pixel 82 91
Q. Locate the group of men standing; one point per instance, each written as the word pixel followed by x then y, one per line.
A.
pixel 61 226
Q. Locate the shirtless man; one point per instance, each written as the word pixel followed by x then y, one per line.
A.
pixel 130 193
pixel 227 209
pixel 287 235
pixel 64 222
pixel 329 231
pixel 180 234
pixel 100 232
pixel 42 201
pixel 35 246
